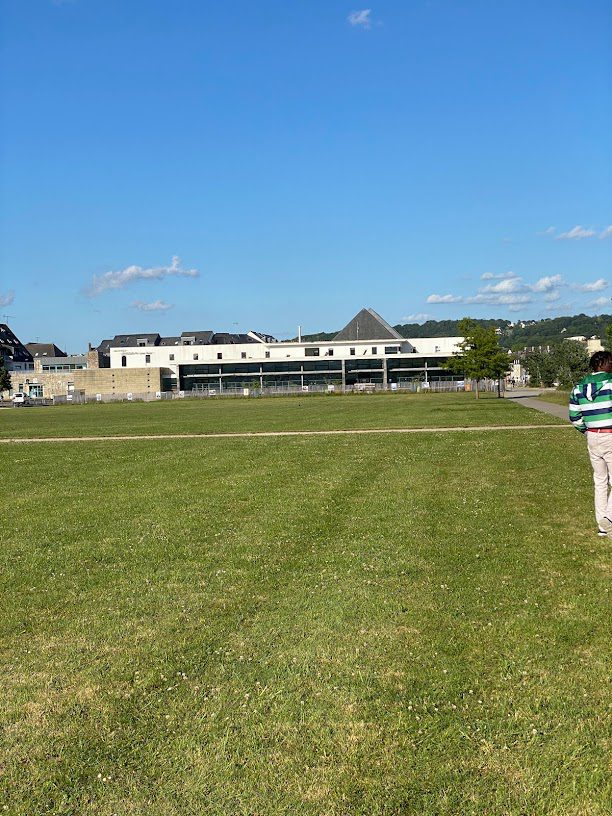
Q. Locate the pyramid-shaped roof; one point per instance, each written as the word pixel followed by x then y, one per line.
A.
pixel 368 325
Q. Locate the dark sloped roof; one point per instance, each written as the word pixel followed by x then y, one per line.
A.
pixel 11 347
pixel 225 338
pixel 263 338
pixel 200 338
pixel 368 325
pixel 197 338
pixel 45 350
pixel 128 340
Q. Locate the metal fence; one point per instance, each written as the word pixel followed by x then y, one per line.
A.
pixel 281 390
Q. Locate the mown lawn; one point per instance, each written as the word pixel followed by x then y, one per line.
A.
pixel 337 625
pixel 556 397
pixel 268 414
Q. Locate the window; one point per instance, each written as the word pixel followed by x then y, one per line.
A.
pixel 195 356
pixel 330 352
pixel 391 349
pixel 267 355
pixel 436 349
pixel 141 342
pixel 172 356
pixel 123 361
pixel 352 352
pixel 147 358
pixel 243 355
pixel 312 352
pixel 374 349
pixel 219 355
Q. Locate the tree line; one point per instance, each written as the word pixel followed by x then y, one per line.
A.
pixel 547 332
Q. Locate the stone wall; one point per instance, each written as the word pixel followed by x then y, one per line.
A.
pixel 91 381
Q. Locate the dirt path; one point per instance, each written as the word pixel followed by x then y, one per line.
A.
pixel 265 434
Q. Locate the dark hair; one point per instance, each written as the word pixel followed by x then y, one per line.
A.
pixel 600 359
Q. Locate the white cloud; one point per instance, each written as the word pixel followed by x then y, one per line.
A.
pixel 506 285
pixel 123 277
pixel 607 232
pixel 595 286
pixel 360 18
pixel 444 299
pixel 601 301
pixel 552 296
pixel 6 300
pixel 419 317
pixel 547 283
pixel 156 306
pixel 500 276
pixel 576 233
pixel 495 299
pixel 549 231
pixel 562 308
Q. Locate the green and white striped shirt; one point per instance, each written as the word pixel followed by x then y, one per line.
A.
pixel 590 403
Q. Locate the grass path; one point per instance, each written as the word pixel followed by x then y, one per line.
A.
pixel 257 434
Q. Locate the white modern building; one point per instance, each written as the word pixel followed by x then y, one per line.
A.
pixel 367 352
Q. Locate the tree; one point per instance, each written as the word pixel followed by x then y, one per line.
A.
pixel 480 354
pixel 607 338
pixel 541 367
pixel 5 378
pixel 572 362
pixel 565 364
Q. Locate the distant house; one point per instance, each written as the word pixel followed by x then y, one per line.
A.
pixel 45 350
pixel 592 344
pixel 13 354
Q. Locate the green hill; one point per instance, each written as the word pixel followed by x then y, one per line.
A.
pixel 513 336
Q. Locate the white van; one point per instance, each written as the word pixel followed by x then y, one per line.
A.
pixel 19 398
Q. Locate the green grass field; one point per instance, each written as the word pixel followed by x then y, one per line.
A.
pixel 311 625
pixel 556 397
pixel 272 414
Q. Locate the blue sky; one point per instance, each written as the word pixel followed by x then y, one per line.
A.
pixel 170 166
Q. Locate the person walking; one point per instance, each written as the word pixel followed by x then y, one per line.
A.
pixel 590 411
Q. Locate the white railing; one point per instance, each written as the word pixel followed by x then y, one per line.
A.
pixel 284 389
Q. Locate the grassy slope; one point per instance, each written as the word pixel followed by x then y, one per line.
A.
pixel 337 626
pixel 272 414
pixel 556 397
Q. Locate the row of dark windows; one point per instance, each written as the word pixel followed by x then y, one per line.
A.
pixel 321 365
pixel 266 368
pixel 68 367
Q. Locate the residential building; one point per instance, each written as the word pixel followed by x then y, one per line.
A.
pixel 13 354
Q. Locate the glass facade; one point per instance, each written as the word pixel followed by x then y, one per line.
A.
pixel 364 365
pixel 405 363
pixel 323 365
pixel 320 371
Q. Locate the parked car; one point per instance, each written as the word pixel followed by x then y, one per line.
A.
pixel 19 398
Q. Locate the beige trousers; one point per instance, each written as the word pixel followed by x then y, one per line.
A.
pixel 600 453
